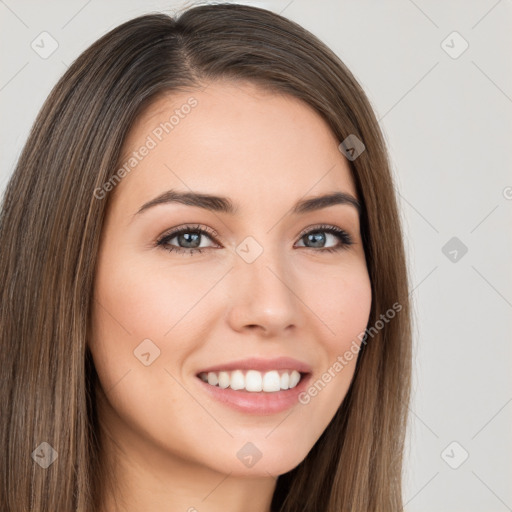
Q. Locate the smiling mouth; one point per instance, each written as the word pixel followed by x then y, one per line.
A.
pixel 254 381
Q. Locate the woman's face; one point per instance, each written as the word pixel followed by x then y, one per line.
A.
pixel 259 283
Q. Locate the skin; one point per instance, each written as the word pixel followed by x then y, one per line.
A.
pixel 176 447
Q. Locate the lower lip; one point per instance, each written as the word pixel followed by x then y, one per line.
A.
pixel 261 403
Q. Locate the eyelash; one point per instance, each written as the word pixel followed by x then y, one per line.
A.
pixel 343 236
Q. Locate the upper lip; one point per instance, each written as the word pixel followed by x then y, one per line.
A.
pixel 262 365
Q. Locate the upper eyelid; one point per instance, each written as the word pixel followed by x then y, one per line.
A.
pixel 321 227
pixel 189 228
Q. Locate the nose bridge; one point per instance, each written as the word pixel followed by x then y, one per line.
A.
pixel 263 287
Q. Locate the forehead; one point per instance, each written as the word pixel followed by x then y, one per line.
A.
pixel 236 140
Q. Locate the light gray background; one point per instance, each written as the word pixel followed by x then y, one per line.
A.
pixel 448 125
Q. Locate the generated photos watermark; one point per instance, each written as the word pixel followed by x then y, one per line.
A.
pixel 343 360
pixel 151 142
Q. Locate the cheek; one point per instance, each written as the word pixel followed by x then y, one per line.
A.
pixel 135 302
pixel 147 300
pixel 341 298
pixel 129 307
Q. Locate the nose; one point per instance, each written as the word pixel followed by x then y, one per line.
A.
pixel 264 296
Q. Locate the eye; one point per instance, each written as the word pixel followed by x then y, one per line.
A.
pixel 190 237
pixel 317 236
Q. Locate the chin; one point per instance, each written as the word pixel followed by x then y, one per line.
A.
pixel 270 461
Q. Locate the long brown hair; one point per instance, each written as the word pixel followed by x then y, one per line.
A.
pixel 50 226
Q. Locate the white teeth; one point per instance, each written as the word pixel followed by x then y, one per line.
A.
pixel 294 379
pixel 271 381
pixel 253 380
pixel 285 381
pixel 223 379
pixel 237 380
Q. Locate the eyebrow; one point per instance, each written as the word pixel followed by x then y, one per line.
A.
pixel 222 204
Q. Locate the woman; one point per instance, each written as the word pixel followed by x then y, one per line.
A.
pixel 205 302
